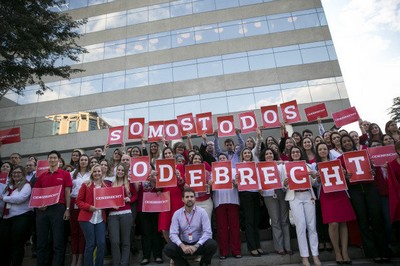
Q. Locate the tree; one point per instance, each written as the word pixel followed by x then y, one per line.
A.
pixel 32 39
pixel 395 110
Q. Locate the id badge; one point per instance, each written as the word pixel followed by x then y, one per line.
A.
pixel 190 237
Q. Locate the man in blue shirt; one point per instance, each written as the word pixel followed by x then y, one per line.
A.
pixel 190 233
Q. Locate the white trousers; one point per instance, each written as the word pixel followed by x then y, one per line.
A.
pixel 207 205
pixel 303 211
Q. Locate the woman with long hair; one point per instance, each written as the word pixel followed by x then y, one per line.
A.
pixel 303 209
pixel 374 132
pixel 250 205
pixel 354 135
pixel 115 159
pixel 226 204
pixel 152 241
pixel 308 145
pixel 392 130
pixel 164 219
pixel 296 136
pixel 278 209
pixel 336 150
pixel 92 162
pixel 203 199
pixel 107 173
pixel 17 217
pixel 155 153
pixel 365 201
pixel 120 219
pixel 92 221
pixel 80 175
pixel 387 140
pixel 336 220
pixel 75 158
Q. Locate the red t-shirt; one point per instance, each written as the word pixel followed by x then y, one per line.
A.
pixel 58 177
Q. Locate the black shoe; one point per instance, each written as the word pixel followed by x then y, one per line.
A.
pixel 347 262
pixel 256 254
pixel 34 255
pixel 222 258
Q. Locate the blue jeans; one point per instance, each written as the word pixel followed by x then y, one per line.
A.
pixel 95 236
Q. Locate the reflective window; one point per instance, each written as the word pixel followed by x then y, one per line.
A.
pixel 188 107
pixel 114 81
pixel 185 71
pixel 28 97
pixel 161 112
pixel 262 60
pixel 137 78
pixel 114 118
pixel 203 6
pixel 157 42
pixel 305 21
pixel 300 94
pixel 287 56
pixel 281 22
pixel 222 4
pixel 91 86
pixel 235 63
pixel 249 2
pixel 230 30
pixel 114 49
pixel 137 16
pixel 256 26
pixel 136 46
pixel 159 12
pixel 115 20
pixel 160 74
pixel 268 98
pixel 215 106
pixel 178 10
pixel 315 54
pixel 70 88
pixel 205 34
pixel 210 68
pixel 324 92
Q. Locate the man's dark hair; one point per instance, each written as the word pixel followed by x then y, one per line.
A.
pixel 307 131
pixel 187 190
pixel 54 152
pixel 228 141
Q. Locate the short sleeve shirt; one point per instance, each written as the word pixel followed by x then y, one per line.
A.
pixel 58 177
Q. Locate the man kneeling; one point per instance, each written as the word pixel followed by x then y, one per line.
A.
pixel 190 233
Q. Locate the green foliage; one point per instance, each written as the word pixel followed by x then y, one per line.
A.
pixel 395 110
pixel 32 38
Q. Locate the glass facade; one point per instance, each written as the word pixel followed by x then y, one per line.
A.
pixel 185 70
pixel 203 34
pixel 307 91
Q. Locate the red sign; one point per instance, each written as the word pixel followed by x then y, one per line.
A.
pixel 332 177
pixel 357 164
pixel 116 135
pixel 270 116
pixel 316 111
pixel 11 135
pixel 345 117
pixel 290 112
pixel 204 124
pixel 42 166
pixel 136 128
pixel 248 122
pixel 140 169
pixel 42 197
pixel 109 197
pixel 156 202
pixel 269 175
pixel 186 124
pixel 381 155
pixel 297 174
pixel 226 126
pixel 171 130
pixel 222 175
pixel 155 131
pixel 248 179
pixel 3 177
pixel 166 173
pixel 195 177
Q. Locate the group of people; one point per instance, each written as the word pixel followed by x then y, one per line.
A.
pixel 187 228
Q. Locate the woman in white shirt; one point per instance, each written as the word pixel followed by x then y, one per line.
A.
pixel 79 176
pixel 17 217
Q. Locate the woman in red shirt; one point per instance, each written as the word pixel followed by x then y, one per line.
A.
pixel 92 220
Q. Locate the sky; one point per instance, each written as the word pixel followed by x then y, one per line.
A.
pixel 366 35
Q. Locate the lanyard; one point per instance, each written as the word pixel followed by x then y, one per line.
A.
pixel 191 219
